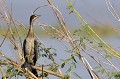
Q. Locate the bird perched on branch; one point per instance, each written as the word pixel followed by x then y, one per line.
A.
pixel 30 47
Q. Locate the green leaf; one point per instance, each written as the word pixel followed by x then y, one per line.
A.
pixel 103 70
pixel 73 63
pixel 81 39
pixel 76 75
pixel 100 45
pixel 82 42
pixel 83 45
pixel 117 75
pixel 44 55
pixel 45 74
pixel 91 42
pixel 68 7
pixel 73 58
pixel 63 64
pixel 70 68
pixel 68 51
pixel 66 77
pixel 11 71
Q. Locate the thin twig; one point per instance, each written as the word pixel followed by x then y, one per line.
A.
pixel 3 75
pixel 112 10
pixel 48 71
pixel 5 36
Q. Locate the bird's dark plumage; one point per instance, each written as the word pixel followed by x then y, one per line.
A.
pixel 30 48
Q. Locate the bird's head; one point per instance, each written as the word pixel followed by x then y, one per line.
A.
pixel 34 17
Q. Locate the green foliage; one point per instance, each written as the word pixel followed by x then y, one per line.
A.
pixel 53 68
pixel 69 7
pixel 63 64
pixel 100 69
pixel 66 77
pixel 45 74
pixel 74 73
pixel 46 52
pixel 92 33
pixel 117 75
pixel 11 72
pixel 82 42
pixel 108 56
pixel 100 45
pixel 71 61
pixel 71 58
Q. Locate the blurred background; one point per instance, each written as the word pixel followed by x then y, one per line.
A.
pixel 95 12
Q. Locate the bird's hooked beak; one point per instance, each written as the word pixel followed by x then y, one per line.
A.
pixel 33 18
pixel 38 16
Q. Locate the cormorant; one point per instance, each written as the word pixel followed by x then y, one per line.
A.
pixel 30 47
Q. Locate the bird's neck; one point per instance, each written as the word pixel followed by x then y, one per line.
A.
pixel 31 31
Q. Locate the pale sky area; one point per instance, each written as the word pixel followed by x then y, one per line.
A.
pixel 93 11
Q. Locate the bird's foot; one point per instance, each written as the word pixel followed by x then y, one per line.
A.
pixel 24 65
pixel 30 67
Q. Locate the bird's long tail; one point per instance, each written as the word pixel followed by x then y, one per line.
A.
pixel 29 66
pixel 34 71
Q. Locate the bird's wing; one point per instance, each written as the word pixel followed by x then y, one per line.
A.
pixel 36 50
pixel 23 50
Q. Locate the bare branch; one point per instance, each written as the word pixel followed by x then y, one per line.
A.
pixel 112 10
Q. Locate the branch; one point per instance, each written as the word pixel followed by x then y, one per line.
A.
pixel 48 71
pixel 112 10
pixel 16 65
